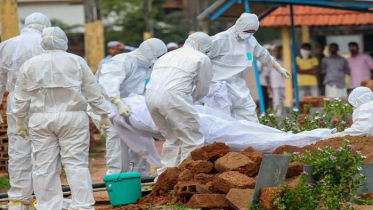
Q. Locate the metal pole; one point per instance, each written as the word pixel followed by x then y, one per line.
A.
pixel 293 55
pixel 256 70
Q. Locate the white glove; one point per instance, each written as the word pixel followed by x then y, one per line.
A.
pixel 1 120
pixel 105 122
pixel 123 109
pixel 285 73
pixel 21 127
pixel 211 92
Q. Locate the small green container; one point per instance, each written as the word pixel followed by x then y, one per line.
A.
pixel 123 188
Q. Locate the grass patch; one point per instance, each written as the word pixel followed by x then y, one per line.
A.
pixel 177 207
pixel 4 183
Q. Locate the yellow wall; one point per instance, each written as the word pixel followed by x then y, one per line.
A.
pixel 94 44
pixel 306 34
pixel 147 35
pixel 286 52
pixel 8 19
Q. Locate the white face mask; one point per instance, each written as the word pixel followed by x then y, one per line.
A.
pixel 245 36
pixel 305 53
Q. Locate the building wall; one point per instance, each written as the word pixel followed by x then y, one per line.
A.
pixel 70 14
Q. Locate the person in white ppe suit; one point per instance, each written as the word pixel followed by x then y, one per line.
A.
pixel 170 96
pixel 53 90
pixel 361 98
pixel 14 53
pixel 122 75
pixel 232 55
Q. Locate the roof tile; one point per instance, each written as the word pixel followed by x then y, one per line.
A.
pixel 316 16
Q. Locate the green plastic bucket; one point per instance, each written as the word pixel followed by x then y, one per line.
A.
pixel 123 188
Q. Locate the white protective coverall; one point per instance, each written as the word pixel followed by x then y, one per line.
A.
pixel 122 75
pixel 361 98
pixel 13 54
pixel 232 55
pixel 170 97
pixel 54 89
pixel 216 127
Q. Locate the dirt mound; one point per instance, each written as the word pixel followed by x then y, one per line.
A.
pixel 197 184
pixel 361 143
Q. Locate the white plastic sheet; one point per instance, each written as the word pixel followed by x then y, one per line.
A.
pixel 216 127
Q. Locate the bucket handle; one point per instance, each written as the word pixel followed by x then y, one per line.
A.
pixel 132 167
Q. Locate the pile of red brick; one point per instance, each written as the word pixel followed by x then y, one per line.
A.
pixel 3 138
pixel 215 178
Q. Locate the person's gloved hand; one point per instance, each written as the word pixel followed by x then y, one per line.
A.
pixel 285 73
pixel 105 122
pixel 21 127
pixel 1 120
pixel 123 109
pixel 211 92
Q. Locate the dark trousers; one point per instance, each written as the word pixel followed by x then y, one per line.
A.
pixel 265 97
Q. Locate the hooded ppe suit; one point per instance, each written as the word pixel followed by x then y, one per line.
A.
pixel 14 53
pixel 54 89
pixel 170 96
pixel 361 98
pixel 122 75
pixel 232 55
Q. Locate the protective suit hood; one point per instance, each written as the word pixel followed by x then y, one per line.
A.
pixel 37 21
pixel 150 51
pixel 53 38
pixel 246 21
pixel 199 41
pixel 360 96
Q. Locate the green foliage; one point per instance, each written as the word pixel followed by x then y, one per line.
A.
pixel 335 115
pixel 176 207
pixel 65 27
pixel 4 183
pixel 128 22
pixel 337 174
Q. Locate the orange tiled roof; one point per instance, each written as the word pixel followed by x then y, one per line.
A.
pixel 173 4
pixel 316 16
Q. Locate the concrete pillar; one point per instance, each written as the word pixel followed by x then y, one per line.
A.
pixel 147 8
pixel 8 19
pixel 147 35
pixel 94 34
pixel 286 52
pixel 306 34
pixel 94 44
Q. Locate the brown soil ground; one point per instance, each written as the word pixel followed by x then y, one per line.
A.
pixel 98 171
pixel 97 167
pixel 361 143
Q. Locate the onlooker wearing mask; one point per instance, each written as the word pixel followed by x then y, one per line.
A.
pixel 319 51
pixel 277 82
pixel 172 46
pixel 335 68
pixel 264 79
pixel 307 70
pixel 361 65
pixel 113 49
